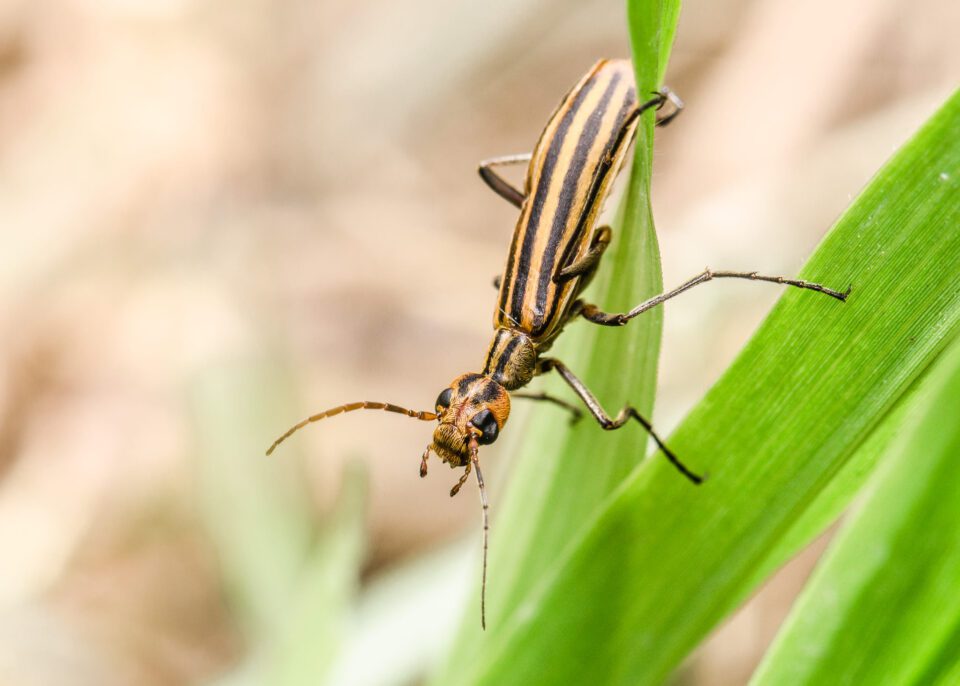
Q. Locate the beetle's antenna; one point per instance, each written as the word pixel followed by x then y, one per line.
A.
pixel 486 529
pixel 350 407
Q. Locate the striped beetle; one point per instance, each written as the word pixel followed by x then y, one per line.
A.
pixel 554 253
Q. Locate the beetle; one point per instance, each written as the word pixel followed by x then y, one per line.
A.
pixel 555 251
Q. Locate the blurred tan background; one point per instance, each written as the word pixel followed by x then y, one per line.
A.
pixel 219 216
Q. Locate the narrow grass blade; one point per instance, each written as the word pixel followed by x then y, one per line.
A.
pixel 830 502
pixel 883 607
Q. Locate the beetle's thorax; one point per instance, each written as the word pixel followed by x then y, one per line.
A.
pixel 511 359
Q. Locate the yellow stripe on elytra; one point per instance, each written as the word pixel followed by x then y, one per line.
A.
pixel 552 305
pixel 568 148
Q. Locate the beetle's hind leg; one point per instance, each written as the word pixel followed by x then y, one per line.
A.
pixel 598 316
pixel 497 183
pixel 603 419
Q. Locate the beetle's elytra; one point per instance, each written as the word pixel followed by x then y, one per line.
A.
pixel 555 250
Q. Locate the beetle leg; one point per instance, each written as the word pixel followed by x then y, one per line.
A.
pixel 497 183
pixel 587 263
pixel 673 99
pixel 603 419
pixel 597 316
pixel 574 411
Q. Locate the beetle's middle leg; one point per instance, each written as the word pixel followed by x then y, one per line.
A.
pixel 589 262
pixel 575 413
pixel 598 316
pixel 603 419
pixel 497 183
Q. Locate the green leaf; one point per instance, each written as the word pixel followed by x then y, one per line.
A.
pixel 560 477
pixel 663 561
pixel 883 607
pixel 830 502
pixel 652 24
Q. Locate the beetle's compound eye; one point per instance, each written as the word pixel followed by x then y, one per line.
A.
pixel 484 421
pixel 443 400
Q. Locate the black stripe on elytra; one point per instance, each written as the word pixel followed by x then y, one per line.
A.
pixel 622 125
pixel 634 112
pixel 568 192
pixel 505 357
pixel 625 117
pixel 540 199
pixel 508 276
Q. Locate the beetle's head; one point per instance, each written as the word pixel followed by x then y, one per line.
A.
pixel 472 405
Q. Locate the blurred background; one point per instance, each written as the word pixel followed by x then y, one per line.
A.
pixel 217 217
